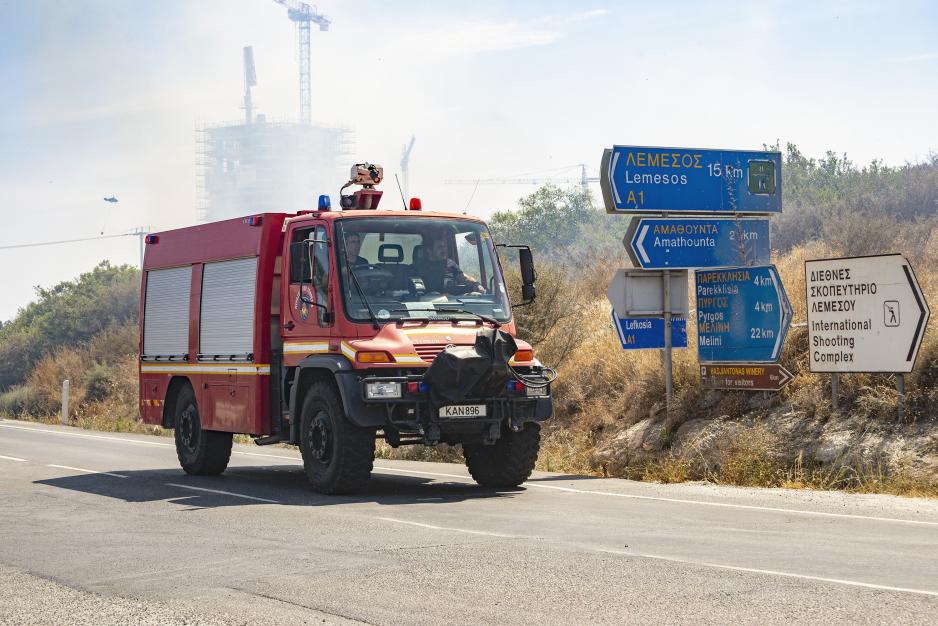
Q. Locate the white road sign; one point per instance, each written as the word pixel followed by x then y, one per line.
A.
pixel 865 314
pixel 640 293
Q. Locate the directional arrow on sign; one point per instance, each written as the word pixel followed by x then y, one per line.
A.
pixel 745 376
pixel 641 179
pixel 743 314
pixel 690 242
pixel 865 314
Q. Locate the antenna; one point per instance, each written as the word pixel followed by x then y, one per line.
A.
pixel 403 200
pixel 250 80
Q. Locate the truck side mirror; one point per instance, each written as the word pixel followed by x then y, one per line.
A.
pixel 528 275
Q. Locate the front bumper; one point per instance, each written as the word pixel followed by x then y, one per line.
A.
pixel 415 414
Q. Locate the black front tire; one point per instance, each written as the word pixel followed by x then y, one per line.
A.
pixel 507 463
pixel 200 452
pixel 337 455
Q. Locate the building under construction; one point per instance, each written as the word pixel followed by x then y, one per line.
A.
pixel 259 165
pixel 268 166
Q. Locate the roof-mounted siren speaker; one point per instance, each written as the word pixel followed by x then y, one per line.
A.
pixel 367 198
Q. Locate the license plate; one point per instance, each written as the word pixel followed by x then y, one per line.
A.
pixel 463 410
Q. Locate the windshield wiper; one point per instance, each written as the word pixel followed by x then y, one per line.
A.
pixel 484 318
pixel 361 292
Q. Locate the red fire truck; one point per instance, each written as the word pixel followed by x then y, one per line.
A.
pixel 320 329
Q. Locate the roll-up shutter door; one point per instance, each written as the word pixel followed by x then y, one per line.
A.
pixel 228 308
pixel 166 312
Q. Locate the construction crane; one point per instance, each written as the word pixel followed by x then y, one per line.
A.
pixel 405 165
pixel 583 180
pixel 303 14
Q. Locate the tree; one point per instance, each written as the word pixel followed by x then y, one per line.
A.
pixel 70 313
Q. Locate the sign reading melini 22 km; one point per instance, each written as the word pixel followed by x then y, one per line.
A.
pixel 636 179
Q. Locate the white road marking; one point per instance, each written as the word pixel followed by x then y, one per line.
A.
pixel 224 493
pixel 728 505
pixel 769 572
pixel 87 471
pixel 670 559
pixel 12 458
pixel 70 434
pixel 455 530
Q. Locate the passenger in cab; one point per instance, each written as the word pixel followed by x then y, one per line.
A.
pixel 441 273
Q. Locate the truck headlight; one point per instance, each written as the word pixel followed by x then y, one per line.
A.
pixel 382 390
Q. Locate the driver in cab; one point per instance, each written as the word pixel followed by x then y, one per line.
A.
pixel 353 245
pixel 441 273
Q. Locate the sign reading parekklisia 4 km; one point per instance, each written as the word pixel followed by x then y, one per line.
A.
pixel 865 314
pixel 743 315
pixel 637 179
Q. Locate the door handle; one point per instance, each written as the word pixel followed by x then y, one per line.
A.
pixel 289 326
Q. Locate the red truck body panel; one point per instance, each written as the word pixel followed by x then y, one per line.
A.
pixel 234 395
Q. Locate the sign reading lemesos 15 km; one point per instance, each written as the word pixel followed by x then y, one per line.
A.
pixel 690 242
pixel 743 315
pixel 865 314
pixel 637 179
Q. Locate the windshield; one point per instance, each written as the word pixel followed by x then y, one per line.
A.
pixel 419 268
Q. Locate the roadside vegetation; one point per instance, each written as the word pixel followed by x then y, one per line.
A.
pixel 609 411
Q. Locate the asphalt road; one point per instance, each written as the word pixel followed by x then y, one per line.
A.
pixel 104 528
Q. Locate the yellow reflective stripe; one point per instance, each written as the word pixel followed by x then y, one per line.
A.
pixel 348 351
pixel 205 368
pixel 411 357
pixel 305 348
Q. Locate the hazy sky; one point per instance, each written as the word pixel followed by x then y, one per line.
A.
pixel 102 98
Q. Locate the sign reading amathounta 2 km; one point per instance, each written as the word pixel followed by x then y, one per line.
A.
pixel 691 242
pixel 637 179
pixel 865 314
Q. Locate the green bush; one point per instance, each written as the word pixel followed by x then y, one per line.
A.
pixel 19 400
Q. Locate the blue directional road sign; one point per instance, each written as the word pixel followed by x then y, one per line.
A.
pixel 637 179
pixel 647 333
pixel 687 242
pixel 743 315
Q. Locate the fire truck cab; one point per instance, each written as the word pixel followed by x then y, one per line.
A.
pixel 318 329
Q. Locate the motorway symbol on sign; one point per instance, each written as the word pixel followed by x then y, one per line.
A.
pixel 865 314
pixel 688 242
pixel 647 333
pixel 745 376
pixel 637 179
pixel 638 293
pixel 743 315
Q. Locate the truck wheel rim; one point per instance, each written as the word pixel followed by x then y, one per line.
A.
pixel 320 438
pixel 188 427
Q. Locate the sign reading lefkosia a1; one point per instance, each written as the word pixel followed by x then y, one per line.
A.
pixel 865 314
pixel 647 333
pixel 690 242
pixel 636 179
pixel 743 315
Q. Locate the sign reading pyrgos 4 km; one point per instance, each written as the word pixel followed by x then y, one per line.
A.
pixel 638 179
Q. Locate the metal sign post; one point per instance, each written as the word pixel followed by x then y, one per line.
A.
pixel 668 371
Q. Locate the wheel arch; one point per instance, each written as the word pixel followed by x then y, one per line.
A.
pixel 338 370
pixel 176 384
